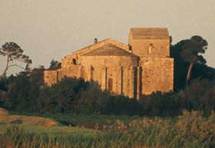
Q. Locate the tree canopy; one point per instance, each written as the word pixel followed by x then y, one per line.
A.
pixel 191 50
pixel 189 61
pixel 13 52
pixel 54 64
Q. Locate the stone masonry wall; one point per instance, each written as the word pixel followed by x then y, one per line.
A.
pixel 145 67
pixel 157 75
pixel 50 77
pixel 150 48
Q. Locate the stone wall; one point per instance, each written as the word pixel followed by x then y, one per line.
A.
pixel 157 75
pixel 50 77
pixel 53 76
pixel 150 48
pixel 120 75
pixel 141 69
pixel 113 73
pixel 149 42
pixel 117 80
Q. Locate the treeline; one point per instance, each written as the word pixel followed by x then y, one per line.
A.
pixel 194 89
pixel 26 93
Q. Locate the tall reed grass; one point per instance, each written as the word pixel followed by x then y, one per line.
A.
pixel 189 130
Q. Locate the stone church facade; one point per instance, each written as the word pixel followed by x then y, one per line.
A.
pixel 141 67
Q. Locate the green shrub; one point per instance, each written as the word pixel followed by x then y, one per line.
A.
pixel 26 93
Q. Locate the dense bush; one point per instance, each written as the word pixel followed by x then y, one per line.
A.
pixel 23 91
pixel 71 95
pixel 200 95
pixel 166 104
pixel 26 93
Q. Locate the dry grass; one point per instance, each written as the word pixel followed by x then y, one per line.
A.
pixel 191 129
pixel 3 111
pixel 22 119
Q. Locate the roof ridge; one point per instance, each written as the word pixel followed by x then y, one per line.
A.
pixel 149 32
pixel 109 49
pixel 100 44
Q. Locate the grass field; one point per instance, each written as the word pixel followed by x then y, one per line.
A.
pixel 188 130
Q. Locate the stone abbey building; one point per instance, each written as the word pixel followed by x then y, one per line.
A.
pixel 138 68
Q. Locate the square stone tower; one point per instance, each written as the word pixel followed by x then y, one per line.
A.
pixel 152 45
pixel 149 42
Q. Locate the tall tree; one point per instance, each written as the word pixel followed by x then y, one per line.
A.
pixel 13 52
pixel 191 52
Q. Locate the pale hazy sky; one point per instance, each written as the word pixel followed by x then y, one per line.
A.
pixel 48 29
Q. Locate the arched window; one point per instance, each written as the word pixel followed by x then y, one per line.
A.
pixel 150 48
pixel 110 84
pixel 74 61
pixel 92 73
pixel 130 48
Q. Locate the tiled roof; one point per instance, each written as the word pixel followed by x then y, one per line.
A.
pixel 101 44
pixel 149 33
pixel 109 50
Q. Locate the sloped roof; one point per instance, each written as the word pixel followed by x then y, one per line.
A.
pixel 99 44
pixel 149 33
pixel 109 50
